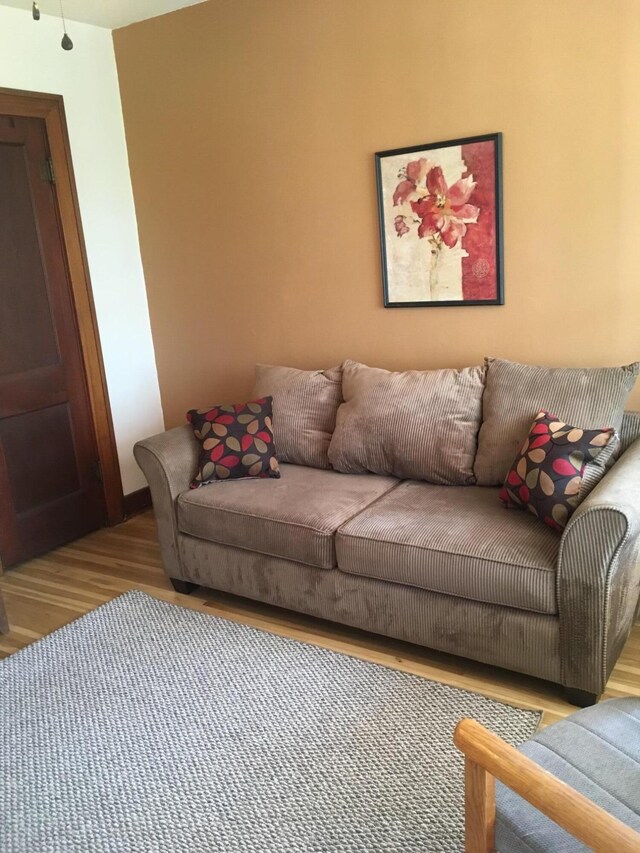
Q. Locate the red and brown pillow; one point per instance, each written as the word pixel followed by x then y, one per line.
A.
pixel 236 442
pixel 547 477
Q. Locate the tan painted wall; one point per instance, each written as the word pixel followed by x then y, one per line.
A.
pixel 251 127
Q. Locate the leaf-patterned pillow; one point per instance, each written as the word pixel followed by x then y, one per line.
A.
pixel 236 442
pixel 547 475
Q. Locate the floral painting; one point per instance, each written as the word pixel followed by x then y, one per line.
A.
pixel 440 223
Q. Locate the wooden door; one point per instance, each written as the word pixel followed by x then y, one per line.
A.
pixel 50 489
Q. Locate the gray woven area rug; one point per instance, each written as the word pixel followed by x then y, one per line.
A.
pixel 145 726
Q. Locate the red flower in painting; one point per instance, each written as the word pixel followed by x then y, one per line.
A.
pixel 445 210
pixel 401 226
pixel 413 186
pixel 424 204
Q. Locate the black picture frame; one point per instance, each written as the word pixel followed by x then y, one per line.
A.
pixel 485 248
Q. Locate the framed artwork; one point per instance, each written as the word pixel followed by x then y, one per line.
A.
pixel 440 210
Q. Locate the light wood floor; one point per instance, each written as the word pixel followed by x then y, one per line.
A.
pixel 48 592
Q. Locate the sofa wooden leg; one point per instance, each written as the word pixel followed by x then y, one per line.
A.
pixel 581 698
pixel 185 587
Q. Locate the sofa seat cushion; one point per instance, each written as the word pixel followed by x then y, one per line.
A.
pixel 456 540
pixel 295 517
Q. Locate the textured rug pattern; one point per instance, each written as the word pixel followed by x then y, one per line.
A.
pixel 145 726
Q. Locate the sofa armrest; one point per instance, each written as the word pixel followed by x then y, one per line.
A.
pixel 169 462
pixel 598 577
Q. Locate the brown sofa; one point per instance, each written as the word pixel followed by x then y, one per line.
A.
pixel 442 566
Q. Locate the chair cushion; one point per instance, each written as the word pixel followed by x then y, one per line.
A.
pixel 295 517
pixel 305 403
pixel 418 425
pixel 457 541
pixel 597 752
pixel 593 398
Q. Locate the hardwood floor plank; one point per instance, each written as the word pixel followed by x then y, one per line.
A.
pixel 52 590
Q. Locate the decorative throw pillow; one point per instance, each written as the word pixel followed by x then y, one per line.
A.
pixel 236 442
pixel 305 403
pixel 579 395
pixel 417 425
pixel 547 477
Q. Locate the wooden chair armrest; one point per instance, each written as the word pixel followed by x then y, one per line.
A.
pixel 570 809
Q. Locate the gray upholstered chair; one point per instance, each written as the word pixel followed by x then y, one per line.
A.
pixel 574 787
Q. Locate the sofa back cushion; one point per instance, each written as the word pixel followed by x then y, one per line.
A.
pixel 630 430
pixel 594 398
pixel 305 403
pixel 419 425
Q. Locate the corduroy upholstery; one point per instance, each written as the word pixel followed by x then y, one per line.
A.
pixel 295 517
pixel 169 462
pixel 589 398
pixel 503 636
pixel 630 430
pixel 451 552
pixel 599 575
pixel 596 751
pixel 416 424
pixel 576 643
pixel 305 403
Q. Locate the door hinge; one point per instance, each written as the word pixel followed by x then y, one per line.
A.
pixel 47 171
pixel 97 470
